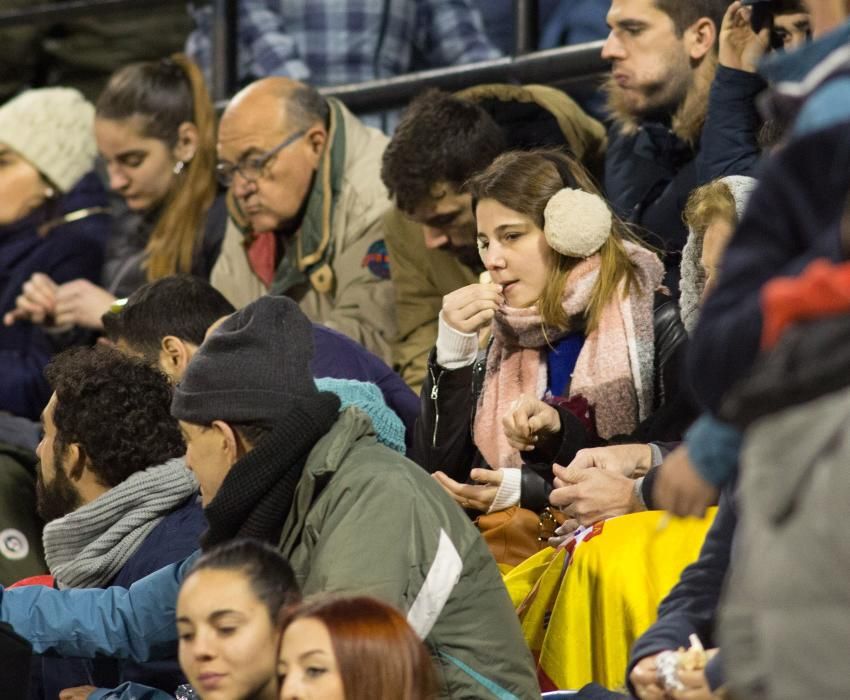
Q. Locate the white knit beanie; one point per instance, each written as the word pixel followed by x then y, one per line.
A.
pixel 53 128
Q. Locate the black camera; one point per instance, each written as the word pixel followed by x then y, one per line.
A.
pixel 764 13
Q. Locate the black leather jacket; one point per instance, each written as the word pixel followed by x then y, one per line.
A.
pixel 443 437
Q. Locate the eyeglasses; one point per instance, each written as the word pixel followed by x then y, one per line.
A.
pixel 252 167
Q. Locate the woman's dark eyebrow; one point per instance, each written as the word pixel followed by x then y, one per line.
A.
pixel 515 224
pixel 130 154
pixel 218 614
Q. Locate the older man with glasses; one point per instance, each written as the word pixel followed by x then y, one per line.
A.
pixel 306 200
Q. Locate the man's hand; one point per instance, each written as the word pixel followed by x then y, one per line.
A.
pixel 470 308
pixel 629 460
pixel 36 302
pixel 81 303
pixel 81 692
pixel 740 47
pixel 475 496
pixel 591 495
pixel 526 420
pixel 679 489
pixel 644 677
pixel 696 686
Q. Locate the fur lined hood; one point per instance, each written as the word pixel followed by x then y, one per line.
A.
pixel 688 120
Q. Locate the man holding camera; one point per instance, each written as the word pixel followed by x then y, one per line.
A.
pixel 679 119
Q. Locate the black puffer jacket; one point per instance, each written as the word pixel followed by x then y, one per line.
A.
pixel 443 435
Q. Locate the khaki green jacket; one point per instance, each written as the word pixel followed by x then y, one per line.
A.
pixel 422 277
pixel 365 520
pixel 325 265
pixel 20 527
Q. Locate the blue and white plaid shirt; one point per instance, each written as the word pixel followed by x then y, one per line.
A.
pixel 333 42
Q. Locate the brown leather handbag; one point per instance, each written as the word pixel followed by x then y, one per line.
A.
pixel 514 534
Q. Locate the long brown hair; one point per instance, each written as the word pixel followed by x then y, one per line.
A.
pixel 525 181
pixel 377 652
pixel 166 94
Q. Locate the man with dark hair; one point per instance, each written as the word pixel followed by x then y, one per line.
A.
pixel 277 462
pixel 165 322
pixel 792 26
pixel 305 201
pixel 440 142
pixel 114 490
pixel 663 56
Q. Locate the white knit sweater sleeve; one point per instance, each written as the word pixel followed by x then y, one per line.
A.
pixel 509 490
pixel 454 348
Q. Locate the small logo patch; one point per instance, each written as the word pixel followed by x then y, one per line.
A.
pixel 377 260
pixel 14 544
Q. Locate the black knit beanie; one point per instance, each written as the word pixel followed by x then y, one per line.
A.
pixel 250 367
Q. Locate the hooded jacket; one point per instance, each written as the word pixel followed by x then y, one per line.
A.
pixel 335 266
pixel 531 116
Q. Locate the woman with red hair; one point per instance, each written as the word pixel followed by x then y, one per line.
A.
pixel 352 649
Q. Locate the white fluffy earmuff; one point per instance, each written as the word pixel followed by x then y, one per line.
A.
pixel 576 223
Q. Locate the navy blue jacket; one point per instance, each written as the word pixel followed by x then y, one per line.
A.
pixel 649 174
pixel 69 251
pixel 336 355
pixel 792 218
pixel 174 538
pixel 691 607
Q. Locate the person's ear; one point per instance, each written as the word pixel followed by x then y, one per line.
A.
pixel 231 444
pixel 187 142
pixel 74 460
pixel 700 38
pixel 174 356
pixel 317 137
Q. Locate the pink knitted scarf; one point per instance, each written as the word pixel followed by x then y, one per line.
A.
pixel 614 371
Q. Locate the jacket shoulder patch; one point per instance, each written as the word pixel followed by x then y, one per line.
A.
pixel 377 260
pixel 14 544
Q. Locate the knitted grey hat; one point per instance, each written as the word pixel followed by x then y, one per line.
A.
pixel 53 128
pixel 250 368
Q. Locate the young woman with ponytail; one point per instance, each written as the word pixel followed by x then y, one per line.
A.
pixel 155 130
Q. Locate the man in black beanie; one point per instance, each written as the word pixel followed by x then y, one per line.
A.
pixel 276 461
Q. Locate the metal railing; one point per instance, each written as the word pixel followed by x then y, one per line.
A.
pixel 571 63
pixel 563 66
